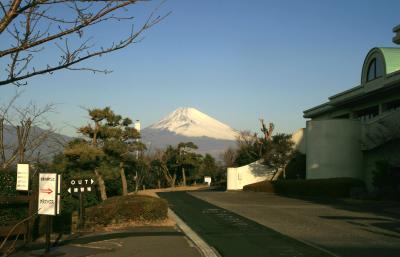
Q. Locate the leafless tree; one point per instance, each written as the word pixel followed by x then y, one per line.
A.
pixel 23 124
pixel 229 157
pixel 30 29
pixel 161 158
pixel 247 140
pixel 267 131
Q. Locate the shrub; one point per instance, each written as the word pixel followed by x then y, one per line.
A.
pixel 386 179
pixel 127 208
pixel 331 187
pixel 114 187
pixel 263 186
pixel 8 180
pixel 296 168
pixel 10 213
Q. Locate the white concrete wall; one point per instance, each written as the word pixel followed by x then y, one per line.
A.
pixel 299 140
pixel 333 149
pixel 254 172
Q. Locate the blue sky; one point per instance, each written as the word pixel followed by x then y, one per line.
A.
pixel 237 61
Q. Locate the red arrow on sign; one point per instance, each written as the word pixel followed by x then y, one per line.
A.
pixel 48 190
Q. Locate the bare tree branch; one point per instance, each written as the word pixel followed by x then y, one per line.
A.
pixel 22 123
pixel 33 27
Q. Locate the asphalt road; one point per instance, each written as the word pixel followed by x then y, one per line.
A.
pixel 341 229
pixel 232 235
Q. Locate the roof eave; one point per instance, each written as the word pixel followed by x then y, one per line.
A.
pixel 317 110
pixel 345 92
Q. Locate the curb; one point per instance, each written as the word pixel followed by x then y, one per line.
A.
pixel 205 249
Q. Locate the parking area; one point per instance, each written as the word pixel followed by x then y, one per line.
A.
pixel 337 228
pixel 233 235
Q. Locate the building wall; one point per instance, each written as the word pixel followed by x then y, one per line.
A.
pixel 299 140
pixel 333 149
pixel 254 172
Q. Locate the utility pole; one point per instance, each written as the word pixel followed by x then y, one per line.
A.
pixel 137 127
pixel 182 167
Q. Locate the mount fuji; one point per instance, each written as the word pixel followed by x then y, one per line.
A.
pixel 190 124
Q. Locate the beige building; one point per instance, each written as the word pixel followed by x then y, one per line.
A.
pixel 345 136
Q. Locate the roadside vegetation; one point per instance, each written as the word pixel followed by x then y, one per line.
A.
pixel 275 151
pixel 386 180
pixel 109 151
pixel 127 209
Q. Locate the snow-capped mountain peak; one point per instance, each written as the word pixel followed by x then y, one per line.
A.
pixel 191 122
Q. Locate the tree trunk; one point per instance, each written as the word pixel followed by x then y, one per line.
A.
pixel 102 187
pixel 183 177
pixel 136 183
pixel 170 179
pixel 123 179
pixel 277 173
pixel 172 182
pixel 158 183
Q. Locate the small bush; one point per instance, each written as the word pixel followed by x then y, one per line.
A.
pixel 263 186
pixel 332 187
pixel 8 180
pixel 127 208
pixel 386 179
pixel 296 168
pixel 113 187
pixel 10 213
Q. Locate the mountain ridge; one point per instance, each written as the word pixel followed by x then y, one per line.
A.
pixel 188 121
pixel 190 125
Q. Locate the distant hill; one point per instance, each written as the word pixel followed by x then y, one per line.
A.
pixel 189 124
pixel 52 144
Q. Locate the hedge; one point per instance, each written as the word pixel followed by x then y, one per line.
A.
pixel 331 187
pixel 119 209
pixel 10 213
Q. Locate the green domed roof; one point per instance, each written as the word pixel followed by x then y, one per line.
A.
pixel 392 59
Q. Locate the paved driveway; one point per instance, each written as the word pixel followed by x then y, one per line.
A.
pixel 233 235
pixel 343 232
pixel 135 242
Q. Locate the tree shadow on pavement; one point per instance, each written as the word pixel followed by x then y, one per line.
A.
pixel 384 208
pixel 383 224
pixel 107 236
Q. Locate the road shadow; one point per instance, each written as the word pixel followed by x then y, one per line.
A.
pixel 90 238
pixel 388 227
pixel 384 208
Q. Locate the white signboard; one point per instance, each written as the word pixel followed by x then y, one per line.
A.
pixel 22 177
pixel 47 202
pixel 137 125
pixel 207 180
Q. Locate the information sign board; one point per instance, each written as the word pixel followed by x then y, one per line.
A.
pixel 48 199
pixel 81 185
pixel 22 177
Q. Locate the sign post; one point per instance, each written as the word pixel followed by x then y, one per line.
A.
pixel 49 205
pixel 207 179
pixel 23 182
pixel 80 186
pixel 22 177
